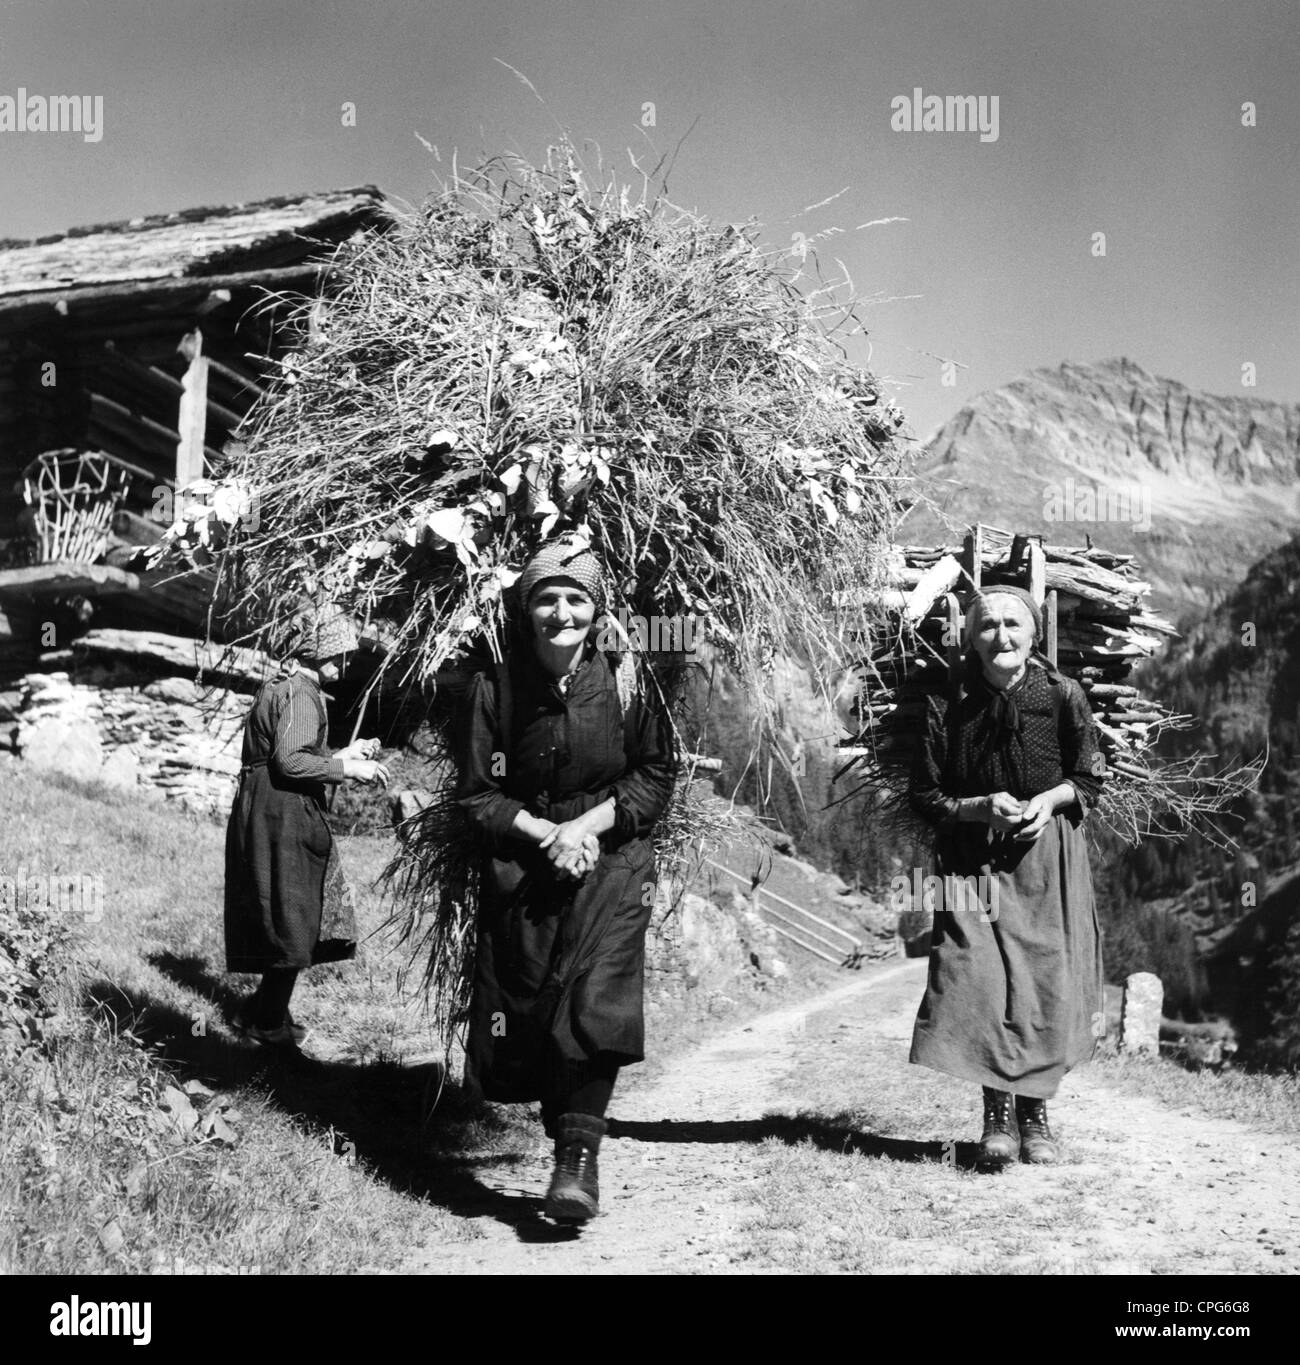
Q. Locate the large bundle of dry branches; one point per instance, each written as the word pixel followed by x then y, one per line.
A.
pixel 1099 629
pixel 534 353
pixel 530 354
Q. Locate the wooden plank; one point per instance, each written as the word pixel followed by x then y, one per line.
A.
pixel 244 383
pixel 154 378
pixel 954 632
pixel 170 292
pixel 193 417
pixel 178 653
pixel 1037 573
pixel 66 576
pixel 1049 626
pixel 938 579
pixel 116 416
pixel 187 595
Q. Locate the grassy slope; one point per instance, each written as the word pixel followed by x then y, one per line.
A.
pixel 340 1163
pixel 328 1154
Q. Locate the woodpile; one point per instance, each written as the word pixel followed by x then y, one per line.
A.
pixel 1096 622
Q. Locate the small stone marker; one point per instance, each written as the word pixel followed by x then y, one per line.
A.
pixel 1144 994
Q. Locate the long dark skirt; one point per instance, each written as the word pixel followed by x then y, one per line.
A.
pixel 559 973
pixel 1014 999
pixel 288 903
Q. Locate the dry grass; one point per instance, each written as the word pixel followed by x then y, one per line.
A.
pixel 534 352
pixel 1269 1102
pixel 434 887
pixel 336 1164
pixel 541 351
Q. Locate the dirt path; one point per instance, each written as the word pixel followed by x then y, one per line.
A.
pixel 1154 1190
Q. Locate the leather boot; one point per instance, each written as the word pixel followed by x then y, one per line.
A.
pixel 575 1193
pixel 1037 1145
pixel 999 1143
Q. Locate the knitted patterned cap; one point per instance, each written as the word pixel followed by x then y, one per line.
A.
pixel 322 632
pixel 1009 590
pixel 563 559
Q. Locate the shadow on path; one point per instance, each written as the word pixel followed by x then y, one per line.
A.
pixel 410 1125
pixel 794 1129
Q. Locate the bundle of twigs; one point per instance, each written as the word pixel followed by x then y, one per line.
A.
pixel 1098 630
pixel 533 353
pixel 436 889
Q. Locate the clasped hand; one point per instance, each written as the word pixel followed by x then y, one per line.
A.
pixel 572 849
pixel 1028 818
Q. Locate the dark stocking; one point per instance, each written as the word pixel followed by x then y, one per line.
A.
pixel 587 1092
pixel 592 1097
pixel 271 1002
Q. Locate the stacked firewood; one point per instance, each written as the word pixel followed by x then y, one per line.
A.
pixel 1097 626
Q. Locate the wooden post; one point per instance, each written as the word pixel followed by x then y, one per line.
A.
pixel 1019 544
pixel 1049 627
pixel 972 557
pixel 193 411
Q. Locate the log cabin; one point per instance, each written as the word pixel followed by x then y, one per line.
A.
pixel 130 352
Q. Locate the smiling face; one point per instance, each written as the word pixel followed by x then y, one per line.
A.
pixel 1002 635
pixel 561 613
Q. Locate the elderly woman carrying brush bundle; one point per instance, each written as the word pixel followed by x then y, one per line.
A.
pixel 287 904
pixel 1006 774
pixel 563 782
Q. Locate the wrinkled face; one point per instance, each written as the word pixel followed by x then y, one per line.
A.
pixel 1002 633
pixel 561 613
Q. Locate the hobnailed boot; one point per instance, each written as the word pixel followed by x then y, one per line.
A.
pixel 999 1143
pixel 574 1193
pixel 1037 1145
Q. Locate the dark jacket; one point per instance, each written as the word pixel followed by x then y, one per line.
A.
pixel 286 902
pixel 559 964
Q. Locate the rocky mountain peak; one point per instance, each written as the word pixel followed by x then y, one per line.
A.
pixel 1197 485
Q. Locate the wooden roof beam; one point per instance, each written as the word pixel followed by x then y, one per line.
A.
pixel 62 576
pixel 144 293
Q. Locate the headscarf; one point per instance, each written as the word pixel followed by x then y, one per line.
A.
pixel 1002 727
pixel 566 558
pixel 320 633
pixel 978 599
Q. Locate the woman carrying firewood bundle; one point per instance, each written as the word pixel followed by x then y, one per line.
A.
pixel 563 782
pixel 287 904
pixel 1006 773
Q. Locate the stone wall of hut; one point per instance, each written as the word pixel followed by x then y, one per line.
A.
pixel 154 737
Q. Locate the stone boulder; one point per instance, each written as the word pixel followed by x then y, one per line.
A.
pixel 69 745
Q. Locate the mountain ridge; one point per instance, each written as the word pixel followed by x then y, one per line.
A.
pixel 1198 486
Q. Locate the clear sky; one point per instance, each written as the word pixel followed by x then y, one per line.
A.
pixel 1114 116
